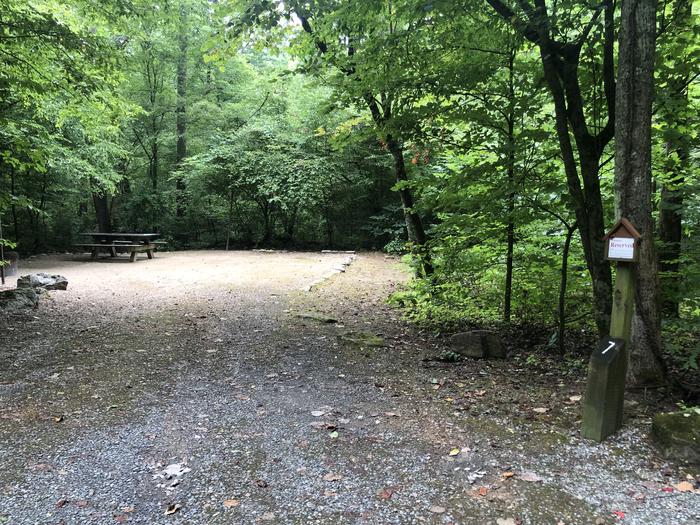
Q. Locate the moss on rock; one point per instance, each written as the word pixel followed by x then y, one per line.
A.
pixel 678 435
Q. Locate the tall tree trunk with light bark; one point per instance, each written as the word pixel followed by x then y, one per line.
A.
pixel 633 182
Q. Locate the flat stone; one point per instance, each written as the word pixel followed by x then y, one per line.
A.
pixel 18 299
pixel 43 280
pixel 678 435
pixel 316 316
pixel 478 344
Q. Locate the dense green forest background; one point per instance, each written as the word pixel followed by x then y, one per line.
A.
pixel 415 127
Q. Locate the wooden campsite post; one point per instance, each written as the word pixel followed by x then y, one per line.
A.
pixel 2 257
pixel 605 391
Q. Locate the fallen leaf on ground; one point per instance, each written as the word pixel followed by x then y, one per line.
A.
pixel 268 516
pixel 540 410
pixel 620 515
pixel 506 521
pixel 61 503
pixel 454 451
pixel 530 476
pixel 482 491
pixel 121 518
pixel 81 503
pixel 261 483
pixel 437 509
pixel 318 413
pixel 230 503
pixel 667 489
pixel 57 419
pixel 386 493
pixel 508 474
pixel 127 509
pixel 391 414
pixel 329 493
pixel 172 509
pixel 684 486
pixel 334 434
pixel 574 399
pixel 332 476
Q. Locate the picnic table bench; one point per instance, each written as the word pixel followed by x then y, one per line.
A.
pixel 113 243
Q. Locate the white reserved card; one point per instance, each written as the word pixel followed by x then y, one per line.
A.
pixel 621 248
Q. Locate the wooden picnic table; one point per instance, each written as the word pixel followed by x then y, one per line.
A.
pixel 114 243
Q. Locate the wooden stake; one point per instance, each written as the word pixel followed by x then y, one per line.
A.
pixel 605 391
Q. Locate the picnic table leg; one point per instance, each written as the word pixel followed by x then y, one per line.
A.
pixel 149 253
pixel 94 253
pixel 133 256
pixel 112 251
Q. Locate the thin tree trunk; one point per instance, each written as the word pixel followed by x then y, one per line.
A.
pixel 14 208
pixel 181 115
pixel 230 218
pixel 510 220
pixel 633 182
pixel 570 230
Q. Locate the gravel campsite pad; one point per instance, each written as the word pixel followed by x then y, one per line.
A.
pixel 254 387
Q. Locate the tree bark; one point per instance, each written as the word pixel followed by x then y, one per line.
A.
pixel 15 220
pixel 102 214
pixel 633 182
pixel 570 230
pixel 414 224
pixel 510 219
pixel 181 115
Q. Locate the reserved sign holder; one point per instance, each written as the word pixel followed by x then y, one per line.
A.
pixel 604 401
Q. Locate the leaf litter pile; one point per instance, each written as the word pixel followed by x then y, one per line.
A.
pixel 206 398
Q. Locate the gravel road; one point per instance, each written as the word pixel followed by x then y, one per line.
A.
pixel 216 388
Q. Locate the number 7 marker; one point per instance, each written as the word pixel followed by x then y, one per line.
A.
pixel 612 344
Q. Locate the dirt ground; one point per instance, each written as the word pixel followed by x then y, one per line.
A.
pixel 214 387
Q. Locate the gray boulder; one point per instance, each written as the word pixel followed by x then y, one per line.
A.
pixel 18 299
pixel 678 435
pixel 43 280
pixel 478 344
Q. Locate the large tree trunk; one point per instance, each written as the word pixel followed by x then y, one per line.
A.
pixel 560 62
pixel 181 116
pixel 102 213
pixel 414 224
pixel 587 200
pixel 633 183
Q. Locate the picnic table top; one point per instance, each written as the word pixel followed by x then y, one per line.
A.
pixel 126 235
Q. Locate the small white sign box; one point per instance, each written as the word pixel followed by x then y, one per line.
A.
pixel 621 248
pixel 622 242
